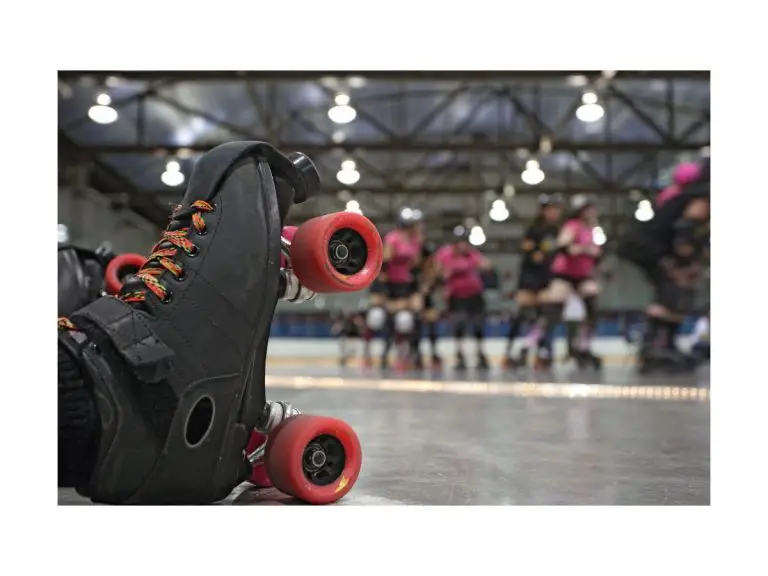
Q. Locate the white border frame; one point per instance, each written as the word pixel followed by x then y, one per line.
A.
pixel 391 35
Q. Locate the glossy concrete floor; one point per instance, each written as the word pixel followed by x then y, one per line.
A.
pixel 500 439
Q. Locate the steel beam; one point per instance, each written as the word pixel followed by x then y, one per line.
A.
pixel 406 146
pixel 409 75
pixel 330 189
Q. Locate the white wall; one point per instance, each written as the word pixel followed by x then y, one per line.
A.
pixel 91 220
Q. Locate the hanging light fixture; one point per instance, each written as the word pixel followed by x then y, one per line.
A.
pixel 533 174
pixel 102 112
pixel 590 110
pixel 348 175
pixel 342 112
pixel 173 176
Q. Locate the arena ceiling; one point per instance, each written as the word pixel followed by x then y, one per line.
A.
pixel 446 142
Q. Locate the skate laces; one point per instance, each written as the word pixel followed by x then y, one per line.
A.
pixel 160 260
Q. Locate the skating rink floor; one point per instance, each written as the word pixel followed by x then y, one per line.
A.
pixel 509 439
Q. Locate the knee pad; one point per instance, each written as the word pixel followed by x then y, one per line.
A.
pixel 376 318
pixel 404 322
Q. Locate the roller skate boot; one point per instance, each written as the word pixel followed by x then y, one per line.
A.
pixel 482 362
pixel 176 361
pixel 461 364
pixel 586 360
pixel 663 360
pixel 436 362
pixel 516 363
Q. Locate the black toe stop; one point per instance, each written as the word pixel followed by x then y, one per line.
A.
pixel 308 182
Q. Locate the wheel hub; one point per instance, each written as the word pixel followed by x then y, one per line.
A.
pixel 323 460
pixel 347 251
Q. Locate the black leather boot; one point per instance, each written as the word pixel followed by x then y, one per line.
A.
pixel 175 363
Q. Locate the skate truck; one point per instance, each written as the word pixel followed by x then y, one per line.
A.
pixel 314 459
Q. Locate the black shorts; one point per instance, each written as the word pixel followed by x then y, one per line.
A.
pixel 379 287
pixel 352 332
pixel 574 281
pixel 474 305
pixel 401 291
pixel 534 279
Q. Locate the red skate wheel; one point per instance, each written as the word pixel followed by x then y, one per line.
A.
pixel 259 476
pixel 338 252
pixel 119 268
pixel 313 458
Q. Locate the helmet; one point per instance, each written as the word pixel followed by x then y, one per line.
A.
pixel 686 173
pixel 581 202
pixel 550 199
pixel 460 233
pixel 409 217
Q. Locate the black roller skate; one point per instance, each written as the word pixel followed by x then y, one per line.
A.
pixel 461 363
pixel 482 362
pixel 664 360
pixel 176 361
pixel 513 362
pixel 437 362
pixel 586 360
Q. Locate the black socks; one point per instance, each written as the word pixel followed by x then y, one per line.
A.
pixel 78 424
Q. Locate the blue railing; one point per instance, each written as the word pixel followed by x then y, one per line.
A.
pixel 314 328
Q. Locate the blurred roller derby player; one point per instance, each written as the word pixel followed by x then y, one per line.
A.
pixel 462 267
pixel 81 272
pixel 428 279
pixel 375 317
pixel 347 327
pixel 671 250
pixel 538 248
pixel 573 271
pixel 574 315
pixel 402 254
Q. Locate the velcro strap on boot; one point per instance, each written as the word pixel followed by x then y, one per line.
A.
pixel 149 358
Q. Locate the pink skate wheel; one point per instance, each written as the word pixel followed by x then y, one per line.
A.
pixel 259 476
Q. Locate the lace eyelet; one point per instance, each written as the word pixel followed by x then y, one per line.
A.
pixel 193 252
pixel 202 232
pixel 213 209
pixel 181 277
pixel 168 298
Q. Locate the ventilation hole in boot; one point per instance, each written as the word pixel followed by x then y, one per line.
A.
pixel 199 421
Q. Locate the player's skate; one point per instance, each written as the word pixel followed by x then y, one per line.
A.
pixel 176 362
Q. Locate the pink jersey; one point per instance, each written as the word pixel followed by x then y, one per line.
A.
pixel 461 271
pixel 576 266
pixel 406 251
